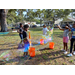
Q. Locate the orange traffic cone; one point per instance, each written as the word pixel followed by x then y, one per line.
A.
pixel 29 36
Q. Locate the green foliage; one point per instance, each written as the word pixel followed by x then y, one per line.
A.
pixel 54 14
pixel 15 15
pixel 37 15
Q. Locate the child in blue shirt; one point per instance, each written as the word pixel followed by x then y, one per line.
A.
pixel 72 41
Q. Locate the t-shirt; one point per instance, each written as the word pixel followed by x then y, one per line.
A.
pixel 45 31
pixel 66 33
pixel 26 44
pixel 24 34
pixel 73 31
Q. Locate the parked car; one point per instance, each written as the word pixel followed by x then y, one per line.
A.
pixel 41 25
pixel 38 25
pixel 47 24
pixel 34 26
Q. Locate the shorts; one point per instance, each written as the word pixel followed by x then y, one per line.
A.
pixel 26 47
pixel 65 39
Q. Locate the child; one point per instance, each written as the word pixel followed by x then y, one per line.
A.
pixel 72 41
pixel 26 42
pixel 20 31
pixel 65 37
pixel 45 29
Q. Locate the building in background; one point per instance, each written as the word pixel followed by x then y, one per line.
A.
pixel 68 20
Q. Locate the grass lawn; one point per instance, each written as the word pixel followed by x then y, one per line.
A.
pixel 9 44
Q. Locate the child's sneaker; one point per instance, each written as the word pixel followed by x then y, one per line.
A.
pixel 65 52
pixel 74 53
pixel 69 55
pixel 26 55
pixel 30 58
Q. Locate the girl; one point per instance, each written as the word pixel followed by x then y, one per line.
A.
pixel 26 42
pixel 72 41
pixel 65 37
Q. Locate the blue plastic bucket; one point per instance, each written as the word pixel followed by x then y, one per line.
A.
pixel 3 33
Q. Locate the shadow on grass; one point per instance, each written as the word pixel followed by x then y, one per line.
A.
pixel 9 44
pixel 34 61
pixel 10 35
pixel 44 49
pixel 8 49
pixel 19 59
pixel 46 58
pixel 2 62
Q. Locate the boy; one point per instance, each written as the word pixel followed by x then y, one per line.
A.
pixel 72 41
pixel 45 30
pixel 20 31
pixel 26 42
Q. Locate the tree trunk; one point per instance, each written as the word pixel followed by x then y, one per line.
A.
pixel 3 21
pixel 53 21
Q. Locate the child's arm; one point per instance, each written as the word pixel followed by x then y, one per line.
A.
pixel 47 29
pixel 68 28
pixel 19 31
pixel 25 40
pixel 60 28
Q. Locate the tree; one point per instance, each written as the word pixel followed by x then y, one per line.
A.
pixel 3 13
pixel 55 14
pixel 30 15
pixel 20 14
pixel 11 15
pixel 39 14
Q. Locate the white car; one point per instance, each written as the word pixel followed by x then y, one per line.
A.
pixel 38 25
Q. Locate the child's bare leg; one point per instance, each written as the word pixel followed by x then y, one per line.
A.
pixel 26 53
pixel 66 46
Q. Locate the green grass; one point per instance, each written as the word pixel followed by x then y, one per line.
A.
pixel 52 57
pixel 45 57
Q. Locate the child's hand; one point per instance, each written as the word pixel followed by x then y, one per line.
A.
pixel 66 27
pixel 58 26
pixel 21 32
pixel 25 41
pixel 18 31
